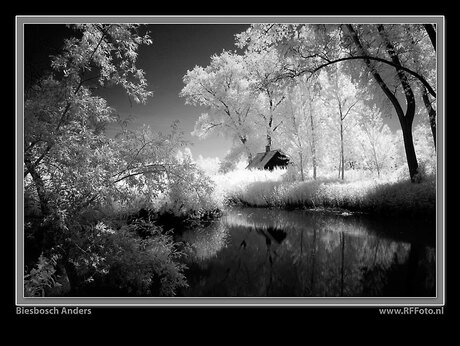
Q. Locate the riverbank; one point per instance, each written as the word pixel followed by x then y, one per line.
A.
pixel 370 196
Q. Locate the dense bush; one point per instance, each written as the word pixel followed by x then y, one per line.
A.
pixel 108 261
pixel 41 278
pixel 139 266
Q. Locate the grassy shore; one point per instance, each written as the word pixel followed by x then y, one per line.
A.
pixel 388 196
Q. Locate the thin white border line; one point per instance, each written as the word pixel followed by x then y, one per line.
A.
pixel 223 297
pixel 16 230
pixel 248 17
pixel 16 164
pixel 238 304
pixel 211 23
pixel 232 16
pixel 443 117
pixel 436 296
pixel 215 23
pixel 233 304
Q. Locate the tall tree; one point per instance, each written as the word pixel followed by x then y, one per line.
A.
pixel 424 62
pixel 342 99
pixel 294 126
pixel 302 133
pixel 314 121
pixel 223 89
pixel 59 105
pixel 262 70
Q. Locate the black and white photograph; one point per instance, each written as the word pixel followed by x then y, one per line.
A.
pixel 240 160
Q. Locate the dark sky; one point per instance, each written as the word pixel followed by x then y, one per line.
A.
pixel 176 48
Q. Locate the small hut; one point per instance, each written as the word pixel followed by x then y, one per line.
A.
pixel 269 160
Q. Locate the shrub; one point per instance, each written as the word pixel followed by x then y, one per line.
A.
pixel 103 261
pixel 143 267
pixel 41 278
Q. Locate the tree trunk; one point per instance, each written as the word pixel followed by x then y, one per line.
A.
pixel 314 169
pixel 431 31
pixel 426 99
pixel 40 187
pixel 72 275
pixel 404 119
pixel 431 114
pixel 374 155
pixel 340 167
pixel 410 150
pixel 248 152
pixel 301 166
pixel 407 118
pixel 342 157
pixel 313 143
pixel 377 166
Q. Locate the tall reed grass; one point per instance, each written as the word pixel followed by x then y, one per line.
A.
pixel 390 195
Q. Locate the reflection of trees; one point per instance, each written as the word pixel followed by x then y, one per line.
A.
pixel 410 276
pixel 421 270
pixel 342 261
pixel 206 242
pixel 281 253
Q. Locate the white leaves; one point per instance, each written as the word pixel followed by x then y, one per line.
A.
pixel 203 126
pixel 112 48
pixel 102 228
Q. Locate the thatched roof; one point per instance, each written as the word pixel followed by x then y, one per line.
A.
pixel 268 158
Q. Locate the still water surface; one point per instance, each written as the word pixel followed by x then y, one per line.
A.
pixel 252 252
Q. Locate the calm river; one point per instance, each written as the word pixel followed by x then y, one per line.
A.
pixel 252 252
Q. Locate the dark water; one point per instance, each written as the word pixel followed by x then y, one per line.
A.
pixel 259 252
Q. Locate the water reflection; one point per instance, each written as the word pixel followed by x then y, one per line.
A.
pixel 259 252
pixel 205 243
